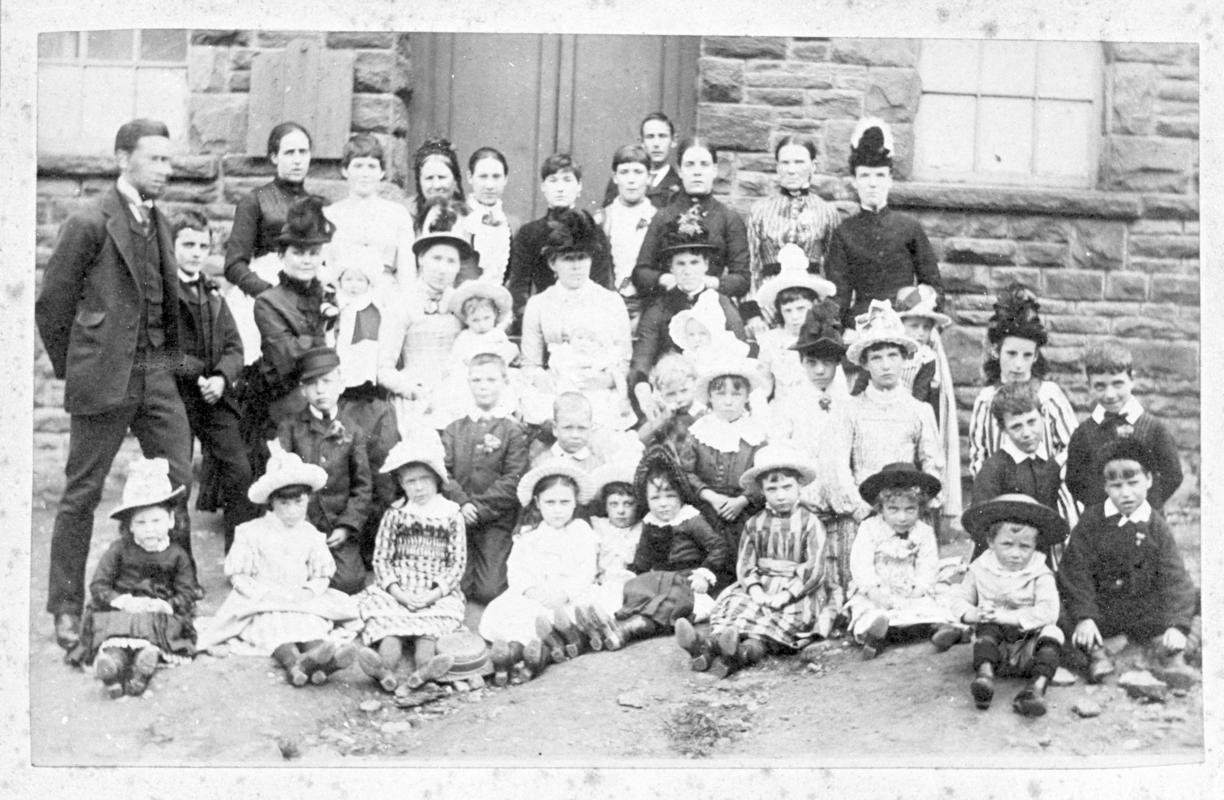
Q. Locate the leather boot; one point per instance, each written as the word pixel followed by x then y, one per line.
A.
pixel 549 639
pixel 535 658
pixel 143 667
pixel 432 670
pixel 111 666
pixel 499 655
pixel 635 627
pixel 517 658
pixel 287 656
pixel 569 633
pixel 699 647
pixel 68 630
pixel 373 665
pixel 726 642
pixel 751 651
pixel 344 657
pixel 588 623
pixel 1099 665
pixel 314 661
pixel 983 686
pixel 1030 702
pixel 945 636
pixel 873 638
pixel 607 627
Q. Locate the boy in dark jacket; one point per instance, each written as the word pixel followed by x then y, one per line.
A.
pixel 212 362
pixel 318 437
pixel 486 455
pixel 1122 573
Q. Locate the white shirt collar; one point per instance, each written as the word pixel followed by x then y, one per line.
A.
pixel 885 395
pixel 1035 566
pixel 317 414
pixel 1018 455
pixel 187 278
pixel 476 413
pixel 581 455
pixel 129 193
pixel 685 513
pixel 1141 514
pixel 1131 410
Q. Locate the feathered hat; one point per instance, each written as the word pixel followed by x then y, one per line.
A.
pixel 571 231
pixel 919 301
pixel 1015 314
pixel 871 144
pixel 305 225
pixel 821 334
pixel 687 233
pixel 879 325
pixel 659 459
pixel 439 228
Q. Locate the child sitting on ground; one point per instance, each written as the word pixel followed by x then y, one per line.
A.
pixel 143 590
pixel 720 448
pixel 678 558
pixel 1122 573
pixel 486 454
pixel 895 560
pixel 280 567
pixel 777 603
pixel 1021 465
pixel 1010 598
pixel 419 559
pixel 618 531
pixel 1115 415
pixel 551 567
pixel 671 408
pixel 341 507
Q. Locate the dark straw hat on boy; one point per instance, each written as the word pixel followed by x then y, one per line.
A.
pixel 899 475
pixel 687 233
pixel 316 362
pixel 1051 528
pixel 305 225
pixel 821 333
pixel 147 484
pixel 1126 448
pixel 571 231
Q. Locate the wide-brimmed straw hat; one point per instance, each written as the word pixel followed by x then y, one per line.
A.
pixel 420 447
pixel 556 466
pixel 1051 528
pixel 746 368
pixel 613 472
pixel 879 325
pixel 470 653
pixel 919 301
pixel 899 475
pixel 286 469
pixel 500 296
pixel 793 274
pixel 147 484
pixel 774 457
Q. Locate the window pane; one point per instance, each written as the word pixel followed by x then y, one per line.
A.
pixel 106 102
pixel 109 45
pixel 944 134
pixel 161 93
pixel 1005 138
pixel 1008 67
pixel 1069 70
pixel 58 45
pixel 59 107
pixel 949 66
pixel 163 45
pixel 1064 136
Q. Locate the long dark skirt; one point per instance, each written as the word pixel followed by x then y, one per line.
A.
pixel 662 596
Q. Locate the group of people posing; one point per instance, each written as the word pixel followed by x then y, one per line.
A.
pixel 596 429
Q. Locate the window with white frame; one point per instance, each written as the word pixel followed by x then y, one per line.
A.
pixel 91 82
pixel 1011 112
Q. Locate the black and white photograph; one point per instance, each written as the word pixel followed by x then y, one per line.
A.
pixel 607 388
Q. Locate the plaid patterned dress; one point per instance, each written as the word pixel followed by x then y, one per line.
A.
pixel 418 547
pixel 777 553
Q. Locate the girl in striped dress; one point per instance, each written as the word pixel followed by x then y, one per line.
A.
pixel 780 588
pixel 1016 336
pixel 419 558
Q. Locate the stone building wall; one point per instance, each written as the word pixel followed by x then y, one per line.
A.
pixel 1120 260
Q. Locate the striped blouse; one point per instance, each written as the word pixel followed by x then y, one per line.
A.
pixel 807 220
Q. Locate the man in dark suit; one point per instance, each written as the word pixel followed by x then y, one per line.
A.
pixel 109 319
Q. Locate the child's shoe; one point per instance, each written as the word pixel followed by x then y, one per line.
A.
pixel 314 662
pixel 499 656
pixel 345 655
pixel 535 657
pixel 109 667
pixel 1029 703
pixel 288 657
pixel 433 669
pixel 143 667
pixel 1177 673
pixel 983 687
pixel 549 639
pixel 696 645
pixel 569 633
pixel 945 636
pixel 751 651
pixel 1099 665
pixel 635 627
pixel 589 625
pixel 372 664
pixel 873 638
pixel 825 621
pixel 607 628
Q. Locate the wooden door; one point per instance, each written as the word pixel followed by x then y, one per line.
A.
pixel 531 95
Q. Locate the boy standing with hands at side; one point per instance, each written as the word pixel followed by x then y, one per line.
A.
pixel 1116 415
pixel 624 220
pixel 212 362
pixel 315 434
pixel 486 455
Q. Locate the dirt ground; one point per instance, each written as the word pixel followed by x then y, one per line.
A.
pixel 910 705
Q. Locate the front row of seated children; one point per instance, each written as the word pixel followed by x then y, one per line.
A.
pixel 570 587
